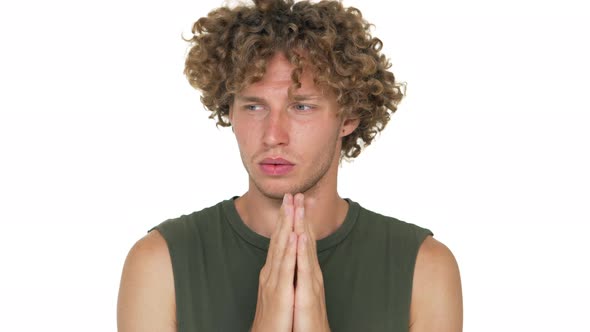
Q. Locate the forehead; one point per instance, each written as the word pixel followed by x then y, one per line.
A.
pixel 278 75
pixel 278 68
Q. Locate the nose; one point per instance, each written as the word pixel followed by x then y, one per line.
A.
pixel 276 129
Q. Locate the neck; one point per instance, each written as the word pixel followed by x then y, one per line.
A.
pixel 325 210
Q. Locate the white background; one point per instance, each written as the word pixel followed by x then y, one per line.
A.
pixel 101 138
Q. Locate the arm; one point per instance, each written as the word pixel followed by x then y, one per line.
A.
pixel 437 301
pixel 146 295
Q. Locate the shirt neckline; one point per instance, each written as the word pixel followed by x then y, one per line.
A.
pixel 262 242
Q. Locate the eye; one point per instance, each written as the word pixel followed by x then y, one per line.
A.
pixel 303 107
pixel 253 107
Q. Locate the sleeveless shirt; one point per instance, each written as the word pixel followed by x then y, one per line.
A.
pixel 367 266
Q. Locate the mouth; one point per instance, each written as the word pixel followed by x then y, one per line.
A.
pixel 276 166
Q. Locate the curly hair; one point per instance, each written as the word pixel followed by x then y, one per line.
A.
pixel 231 46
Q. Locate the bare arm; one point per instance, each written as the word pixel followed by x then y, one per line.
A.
pixel 437 300
pixel 146 295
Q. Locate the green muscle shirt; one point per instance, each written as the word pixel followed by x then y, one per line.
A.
pixel 367 265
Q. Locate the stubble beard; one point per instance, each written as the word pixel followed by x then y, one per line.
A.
pixel 311 182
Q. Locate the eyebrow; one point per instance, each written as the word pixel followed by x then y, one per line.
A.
pixel 250 99
pixel 254 99
pixel 305 97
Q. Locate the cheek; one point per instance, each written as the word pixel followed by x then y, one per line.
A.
pixel 318 134
pixel 326 128
pixel 245 134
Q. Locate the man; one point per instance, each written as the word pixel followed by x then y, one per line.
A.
pixel 303 85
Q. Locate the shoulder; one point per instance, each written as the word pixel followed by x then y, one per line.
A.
pixel 198 221
pixel 436 293
pixel 152 243
pixel 405 232
pixel 149 251
pixel 146 294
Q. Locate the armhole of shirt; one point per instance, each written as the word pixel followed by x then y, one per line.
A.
pixel 172 232
pixel 420 235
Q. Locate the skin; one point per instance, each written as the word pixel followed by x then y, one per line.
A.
pixel 294 210
pixel 268 123
pixel 281 305
pixel 146 294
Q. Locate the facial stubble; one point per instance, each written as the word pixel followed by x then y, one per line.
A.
pixel 309 183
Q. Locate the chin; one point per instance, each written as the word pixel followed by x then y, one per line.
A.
pixel 273 191
pixel 277 187
pixel 273 195
pixel 278 190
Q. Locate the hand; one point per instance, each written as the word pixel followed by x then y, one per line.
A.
pixel 274 309
pixel 310 304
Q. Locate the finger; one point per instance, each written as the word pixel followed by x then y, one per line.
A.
pixel 287 267
pixel 307 229
pixel 299 214
pixel 274 235
pixel 304 268
pixel 287 200
pixel 310 247
pixel 311 240
pixel 280 242
pixel 279 233
pixel 304 227
pixel 310 243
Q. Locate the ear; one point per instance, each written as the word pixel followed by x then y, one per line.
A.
pixel 348 126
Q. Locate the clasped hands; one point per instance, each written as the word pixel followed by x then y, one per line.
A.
pixel 291 287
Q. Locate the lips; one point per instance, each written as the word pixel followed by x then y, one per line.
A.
pixel 276 166
pixel 276 161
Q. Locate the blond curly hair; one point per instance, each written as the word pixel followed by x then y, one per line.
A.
pixel 230 48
